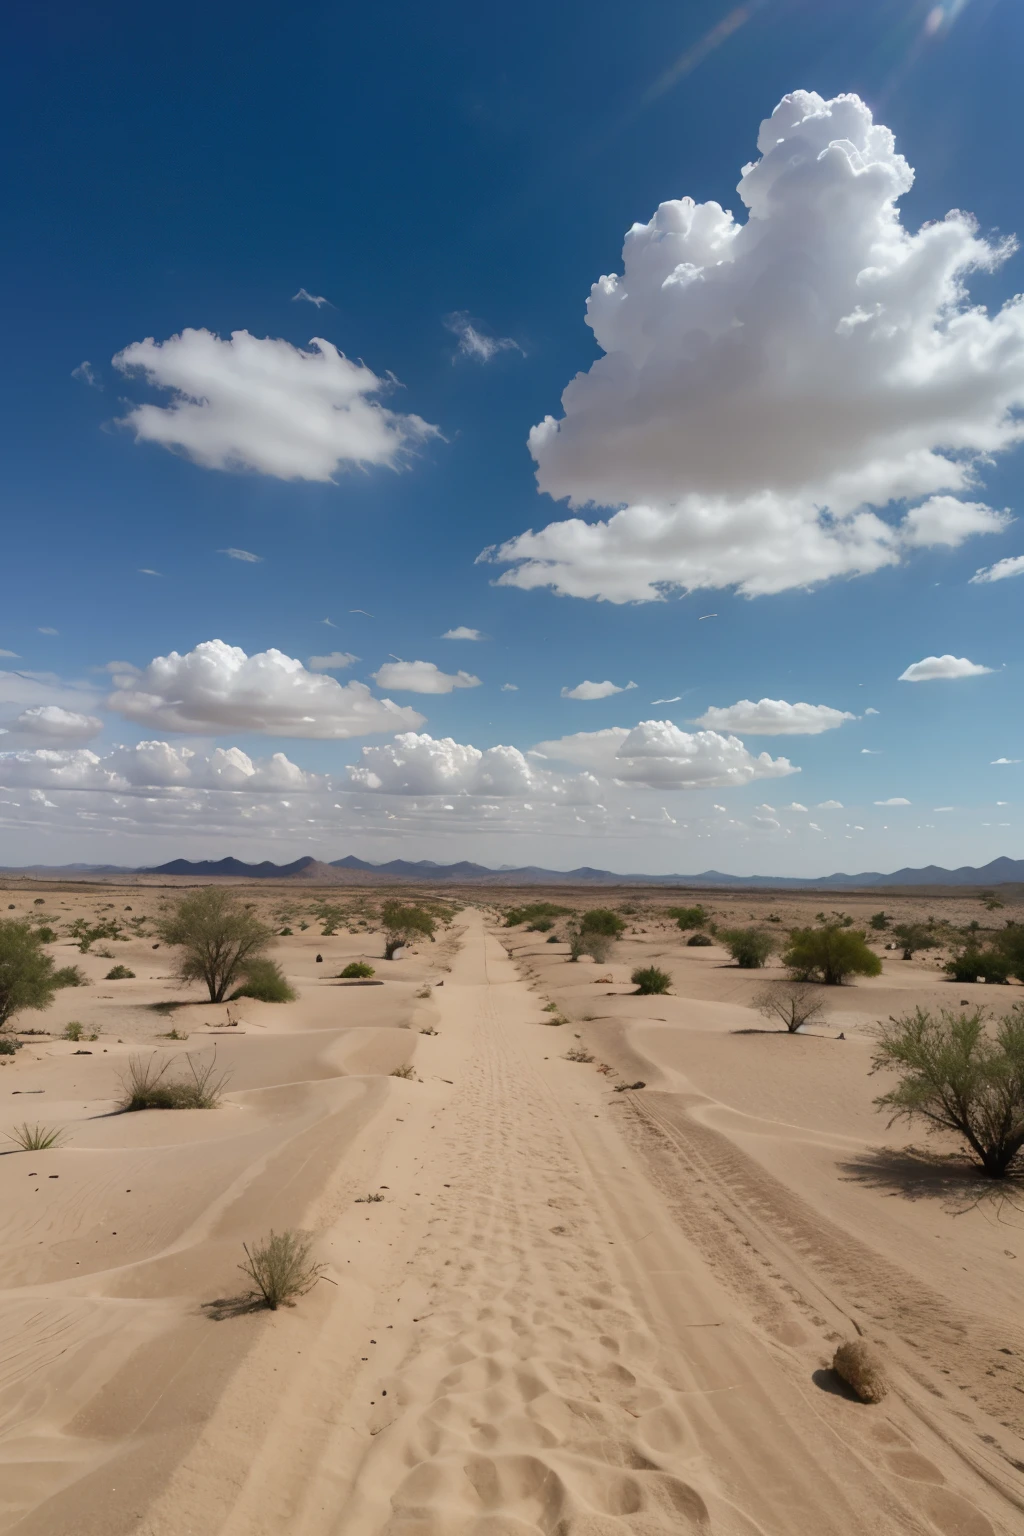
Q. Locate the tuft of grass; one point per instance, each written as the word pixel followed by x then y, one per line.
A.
pixel 8 1045
pixel 369 1199
pixel 148 1084
pixel 279 1267
pixel 37 1138
pixel 74 1030
pixel 550 1008
pixel 356 970
pixel 428 1030
pixel 578 1054
pixel 650 981
pixel 119 973
pixel 856 1363
pixel 173 1034
pixel 425 992
pixel 408 1071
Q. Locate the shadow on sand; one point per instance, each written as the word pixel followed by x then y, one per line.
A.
pixel 950 1178
pixel 233 1306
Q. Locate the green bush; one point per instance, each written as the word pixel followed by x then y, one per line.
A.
pixel 356 969
pixel 975 964
pixel 914 936
pixel 688 917
pixel 879 922
pixel 280 1268
pixel 8 1045
pixel 530 914
pixel 699 941
pixel 147 1085
pixel 554 939
pixel 46 935
pixel 1010 944
pixel 749 947
pixel 28 976
pixel 119 973
pixel 604 921
pixel 829 954
pixel 956 1077
pixel 265 981
pixel 402 924
pixel 74 1030
pixel 542 925
pixel 650 981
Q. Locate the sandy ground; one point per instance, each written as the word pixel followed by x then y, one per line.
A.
pixel 575 1311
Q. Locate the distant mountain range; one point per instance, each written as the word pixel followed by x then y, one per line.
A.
pixel 351 870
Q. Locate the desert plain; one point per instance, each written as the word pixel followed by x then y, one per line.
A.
pixel 572 1306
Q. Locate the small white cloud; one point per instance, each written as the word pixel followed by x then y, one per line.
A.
pixel 144 570
pixel 999 761
pixel 871 711
pixel 52 723
pixel 462 632
pixel 421 677
pixel 252 403
pixel 510 687
pixel 44 629
pixel 588 690
pixel 10 656
pixel 937 808
pixel 474 343
pixel 336 661
pixel 935 667
pixel 674 700
pixel 718 807
pixel 311 298
pixel 217 687
pixel 814 826
pixel 895 800
pixel 774 717
pixel 770 809
pixel 243 554
pixel 86 373
pixel 945 520
pixel 1013 565
pixel 795 806
pixel 829 805
pixel 870 751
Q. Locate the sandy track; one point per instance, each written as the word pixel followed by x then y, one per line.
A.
pixel 560 1356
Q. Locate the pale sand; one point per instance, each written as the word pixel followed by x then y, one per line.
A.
pixel 576 1312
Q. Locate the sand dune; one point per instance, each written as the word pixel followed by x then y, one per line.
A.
pixel 575 1311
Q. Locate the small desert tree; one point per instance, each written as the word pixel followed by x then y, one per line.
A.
pixel 603 921
pixel 218 938
pixel 402 924
pixel 28 976
pixel 794 1003
pixel 829 954
pixel 956 1076
pixel 749 947
pixel 914 936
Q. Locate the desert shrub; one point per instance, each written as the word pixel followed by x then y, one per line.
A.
pixel 699 941
pixel 28 976
pixel 265 981
pixel 856 1363
pixel 554 939
pixel 542 925
pixel 280 1268
pixel 584 942
pixel 407 1070
pixel 218 937
pixel 913 936
pixel 749 947
pixel 973 963
pixel 829 954
pixel 531 913
pixel 286 933
pixel 37 1138
pixel 957 1076
pixel 993 904
pixel 688 917
pixel 879 922
pixel 1010 944
pixel 119 973
pixel 148 1084
pixel 577 1053
pixel 356 969
pixel 402 924
pixel 8 1045
pixel 650 981
pixel 603 921
pixel 794 1003
pixel 74 1030
pixel 46 935
pixel 40 901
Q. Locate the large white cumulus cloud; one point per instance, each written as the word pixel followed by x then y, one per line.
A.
pixel 658 754
pixel 153 767
pixel 421 765
pixel 774 717
pixel 217 687
pixel 258 404
pixel 769 387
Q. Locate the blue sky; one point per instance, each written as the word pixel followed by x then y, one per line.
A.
pixel 796 423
